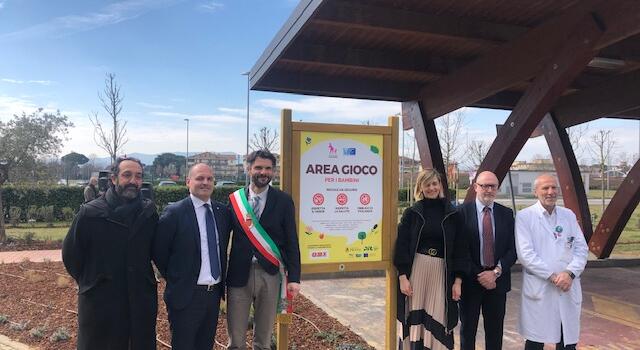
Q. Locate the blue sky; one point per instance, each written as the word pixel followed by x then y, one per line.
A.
pixel 177 59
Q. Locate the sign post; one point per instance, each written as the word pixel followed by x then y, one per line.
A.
pixel 343 180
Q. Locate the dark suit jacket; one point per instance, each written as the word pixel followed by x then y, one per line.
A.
pixel 176 248
pixel 278 219
pixel 504 244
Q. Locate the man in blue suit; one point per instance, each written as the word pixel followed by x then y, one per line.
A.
pixel 190 250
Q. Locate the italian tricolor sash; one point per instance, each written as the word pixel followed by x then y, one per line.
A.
pixel 261 241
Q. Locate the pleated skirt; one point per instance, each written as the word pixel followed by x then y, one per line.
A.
pixel 425 326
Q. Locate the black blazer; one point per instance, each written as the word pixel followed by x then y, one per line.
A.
pixel 278 219
pixel 504 243
pixel 176 248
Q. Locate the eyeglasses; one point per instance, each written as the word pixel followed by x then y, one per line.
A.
pixel 488 186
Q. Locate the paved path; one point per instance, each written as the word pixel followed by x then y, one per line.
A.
pixel 31 255
pixel 8 344
pixel 610 310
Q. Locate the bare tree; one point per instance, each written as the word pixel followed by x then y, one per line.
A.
pixel 476 151
pixel 110 139
pixel 449 129
pixel 266 138
pixel 602 146
pixel 576 134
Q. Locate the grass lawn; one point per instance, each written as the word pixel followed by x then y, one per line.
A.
pixel 42 233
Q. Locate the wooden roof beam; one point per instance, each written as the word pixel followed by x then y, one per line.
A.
pixel 356 14
pixel 335 86
pixel 348 57
pixel 568 61
pixel 613 97
pixel 523 58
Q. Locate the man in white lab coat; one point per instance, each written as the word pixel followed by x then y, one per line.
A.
pixel 553 253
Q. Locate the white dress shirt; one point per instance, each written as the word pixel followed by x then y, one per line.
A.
pixel 205 277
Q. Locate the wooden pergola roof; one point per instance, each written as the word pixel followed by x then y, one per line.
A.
pixel 454 53
pixel 553 63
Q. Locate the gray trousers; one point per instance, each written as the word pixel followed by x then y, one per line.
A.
pixel 262 291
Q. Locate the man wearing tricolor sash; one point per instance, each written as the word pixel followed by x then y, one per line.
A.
pixel 264 263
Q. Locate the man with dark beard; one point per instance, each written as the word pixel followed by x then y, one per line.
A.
pixel 108 252
pixel 264 264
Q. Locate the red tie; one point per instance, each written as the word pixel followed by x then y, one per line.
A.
pixel 487 238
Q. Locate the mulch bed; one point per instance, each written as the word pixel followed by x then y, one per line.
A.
pixel 40 298
pixel 13 244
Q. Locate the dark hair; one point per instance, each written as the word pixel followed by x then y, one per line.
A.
pixel 261 153
pixel 115 168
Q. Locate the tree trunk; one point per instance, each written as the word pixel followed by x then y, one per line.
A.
pixel 3 233
pixel 602 185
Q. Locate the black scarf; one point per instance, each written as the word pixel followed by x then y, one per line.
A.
pixel 123 210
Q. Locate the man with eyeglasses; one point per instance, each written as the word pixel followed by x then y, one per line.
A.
pixel 108 252
pixel 491 240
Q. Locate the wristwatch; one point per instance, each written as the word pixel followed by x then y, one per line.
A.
pixel 571 274
pixel 497 271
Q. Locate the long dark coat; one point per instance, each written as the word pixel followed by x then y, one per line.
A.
pixel 111 262
pixel 456 259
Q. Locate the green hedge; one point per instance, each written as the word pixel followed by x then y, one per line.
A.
pixel 169 194
pixel 60 197
pixel 41 196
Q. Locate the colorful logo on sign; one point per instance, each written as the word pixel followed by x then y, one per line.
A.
pixel 351 151
pixel 333 152
pixel 365 199
pixel 319 254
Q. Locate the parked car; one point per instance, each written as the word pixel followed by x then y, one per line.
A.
pixel 225 183
pixel 167 183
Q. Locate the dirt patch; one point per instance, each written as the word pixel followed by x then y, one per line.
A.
pixel 19 244
pixel 39 299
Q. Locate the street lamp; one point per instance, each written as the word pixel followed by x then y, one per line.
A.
pixel 186 160
pixel 246 177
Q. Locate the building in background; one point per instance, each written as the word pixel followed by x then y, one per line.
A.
pixel 224 164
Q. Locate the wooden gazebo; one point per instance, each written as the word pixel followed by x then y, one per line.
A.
pixel 553 63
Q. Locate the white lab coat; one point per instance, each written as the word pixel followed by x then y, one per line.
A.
pixel 544 307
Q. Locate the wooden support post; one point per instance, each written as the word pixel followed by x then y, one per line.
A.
pixel 282 331
pixel 569 177
pixel 617 214
pixel 390 239
pixel 427 139
pixel 284 320
pixel 540 96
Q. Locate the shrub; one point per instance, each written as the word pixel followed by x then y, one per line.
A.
pixel 32 213
pixel 16 326
pixel 330 336
pixel 29 237
pixel 67 214
pixel 14 215
pixel 350 346
pixel 46 215
pixel 4 319
pixel 60 334
pixel 37 332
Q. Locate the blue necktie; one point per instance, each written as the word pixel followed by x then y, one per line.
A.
pixel 211 242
